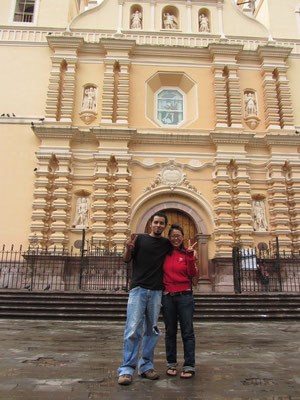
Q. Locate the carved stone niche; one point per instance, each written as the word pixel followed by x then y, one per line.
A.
pixel 89 104
pixel 251 109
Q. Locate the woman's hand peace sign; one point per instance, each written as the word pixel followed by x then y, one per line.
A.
pixel 191 248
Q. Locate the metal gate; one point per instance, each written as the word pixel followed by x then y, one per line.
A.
pixel 36 269
pixel 265 270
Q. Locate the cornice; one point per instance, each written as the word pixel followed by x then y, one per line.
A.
pixel 171 138
pixel 272 51
pixel 283 139
pixel 60 132
pixel 115 134
pixel 231 137
pixel 63 42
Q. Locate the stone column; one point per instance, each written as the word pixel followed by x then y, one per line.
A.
pixel 122 201
pixel 123 93
pixel 278 109
pixel 60 215
pixel 189 16
pixel 279 210
pixel 115 97
pixel 99 208
pixel 108 92
pixel 294 195
pixel 234 97
pixel 223 209
pixel 228 106
pixel 203 255
pixel 284 98
pixel 243 205
pixel 40 217
pixel 61 89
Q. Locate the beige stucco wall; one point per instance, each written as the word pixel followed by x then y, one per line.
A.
pixel 17 162
pixel 24 77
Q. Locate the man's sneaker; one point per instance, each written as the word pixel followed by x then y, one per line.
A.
pixel 125 379
pixel 150 374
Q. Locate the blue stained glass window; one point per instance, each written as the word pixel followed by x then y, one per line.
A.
pixel 170 107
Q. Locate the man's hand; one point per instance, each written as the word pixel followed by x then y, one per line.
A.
pixel 129 247
pixel 130 243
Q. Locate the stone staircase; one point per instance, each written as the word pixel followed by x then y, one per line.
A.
pixel 112 306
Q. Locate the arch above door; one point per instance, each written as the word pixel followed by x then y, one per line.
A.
pixel 198 221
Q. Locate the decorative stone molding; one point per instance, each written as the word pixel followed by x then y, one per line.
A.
pixel 252 121
pixel 171 175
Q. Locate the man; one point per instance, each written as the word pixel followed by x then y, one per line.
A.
pixel 148 252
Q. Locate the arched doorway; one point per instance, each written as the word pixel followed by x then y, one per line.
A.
pixel 194 228
pixel 180 218
pixel 183 219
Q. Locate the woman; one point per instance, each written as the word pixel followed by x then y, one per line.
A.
pixel 178 302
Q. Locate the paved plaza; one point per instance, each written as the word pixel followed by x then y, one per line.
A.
pixel 64 360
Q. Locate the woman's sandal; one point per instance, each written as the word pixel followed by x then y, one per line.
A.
pixel 187 374
pixel 171 371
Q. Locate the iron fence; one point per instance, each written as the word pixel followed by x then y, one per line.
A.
pixel 266 270
pixel 88 270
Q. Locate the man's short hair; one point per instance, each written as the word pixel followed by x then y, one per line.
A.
pixel 159 214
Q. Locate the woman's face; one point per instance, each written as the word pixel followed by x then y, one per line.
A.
pixel 176 238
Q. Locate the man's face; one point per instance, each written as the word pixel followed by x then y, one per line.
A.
pixel 157 226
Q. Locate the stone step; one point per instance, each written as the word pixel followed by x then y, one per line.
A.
pixel 122 316
pixel 112 306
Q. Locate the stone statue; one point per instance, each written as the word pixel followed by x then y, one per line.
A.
pixel 81 219
pixel 169 21
pixel 136 20
pixel 259 216
pixel 250 104
pixel 89 99
pixel 203 23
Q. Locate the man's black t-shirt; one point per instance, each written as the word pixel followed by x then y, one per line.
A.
pixel 148 258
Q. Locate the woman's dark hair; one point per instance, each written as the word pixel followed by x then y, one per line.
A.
pixel 177 228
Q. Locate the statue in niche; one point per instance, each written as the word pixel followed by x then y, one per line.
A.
pixel 81 219
pixel 89 99
pixel 259 216
pixel 136 20
pixel 250 104
pixel 169 21
pixel 203 23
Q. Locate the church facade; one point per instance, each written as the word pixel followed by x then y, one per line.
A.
pixel 113 111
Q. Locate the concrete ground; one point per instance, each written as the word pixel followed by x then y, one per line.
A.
pixel 61 360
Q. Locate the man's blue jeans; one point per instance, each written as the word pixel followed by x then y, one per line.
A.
pixel 142 312
pixel 179 307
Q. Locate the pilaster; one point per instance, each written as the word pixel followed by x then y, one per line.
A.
pixel 122 201
pixel 61 203
pixel 223 209
pixel 40 213
pixel 228 106
pixel 278 207
pixel 61 89
pixel 243 206
pixel 294 196
pixel 278 108
pixel 100 197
